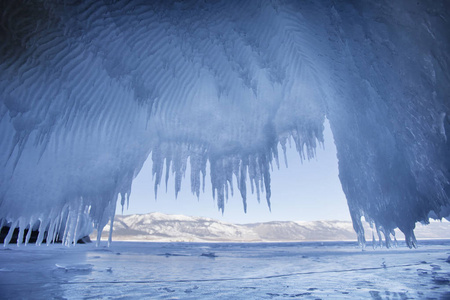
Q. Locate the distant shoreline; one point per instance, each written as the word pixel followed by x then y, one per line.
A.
pixel 159 227
pixel 368 243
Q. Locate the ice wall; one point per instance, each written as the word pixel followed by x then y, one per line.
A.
pixel 90 89
pixel 392 129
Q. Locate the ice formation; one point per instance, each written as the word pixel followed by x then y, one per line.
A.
pixel 90 89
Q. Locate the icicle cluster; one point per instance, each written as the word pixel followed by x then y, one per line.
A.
pixel 90 89
pixel 238 163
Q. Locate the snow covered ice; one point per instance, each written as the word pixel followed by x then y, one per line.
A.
pixel 90 89
pixel 126 270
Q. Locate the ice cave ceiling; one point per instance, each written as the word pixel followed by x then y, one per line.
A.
pixel 90 89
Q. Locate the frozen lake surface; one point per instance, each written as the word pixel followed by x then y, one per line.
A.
pixel 136 270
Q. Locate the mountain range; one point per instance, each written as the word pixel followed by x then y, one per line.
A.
pixel 161 227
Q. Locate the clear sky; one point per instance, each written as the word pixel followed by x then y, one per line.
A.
pixel 301 192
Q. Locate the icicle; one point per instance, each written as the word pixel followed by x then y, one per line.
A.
pixel 387 238
pixel 410 238
pixel 374 241
pixel 10 233
pixel 266 179
pixel 251 172
pixel 168 161
pixel 395 239
pixel 111 220
pixel 99 234
pixel 21 230
pixel 204 162
pixel 236 172
pixel 242 181
pixel 43 229
pixel 67 227
pixel 226 191
pixel 51 230
pixel 194 162
pixel 78 223
pixel 64 216
pixel 380 239
pixel 179 167
pixel 30 230
pixel 357 226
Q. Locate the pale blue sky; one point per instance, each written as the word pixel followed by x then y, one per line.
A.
pixel 301 192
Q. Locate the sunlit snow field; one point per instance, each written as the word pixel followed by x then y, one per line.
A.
pixel 136 270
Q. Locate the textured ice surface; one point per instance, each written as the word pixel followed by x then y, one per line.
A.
pixel 335 270
pixel 90 89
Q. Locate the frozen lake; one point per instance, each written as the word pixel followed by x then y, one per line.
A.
pixel 136 270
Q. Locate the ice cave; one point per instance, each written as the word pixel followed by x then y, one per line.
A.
pixel 90 89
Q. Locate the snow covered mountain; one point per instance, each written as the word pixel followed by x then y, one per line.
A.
pixel 165 228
